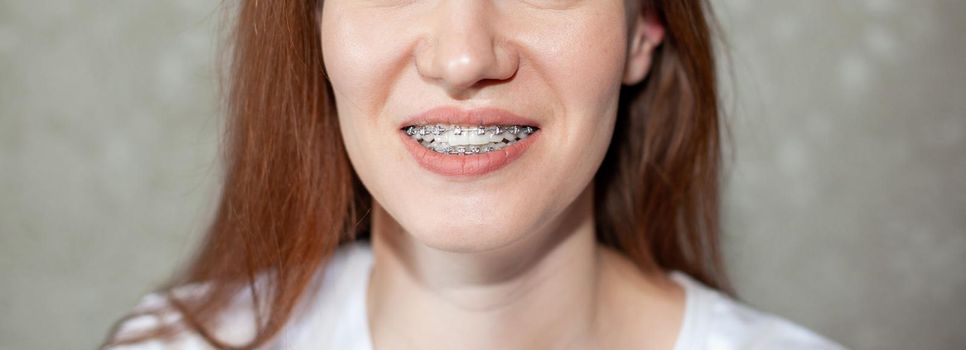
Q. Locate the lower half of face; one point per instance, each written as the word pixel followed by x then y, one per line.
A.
pixel 475 124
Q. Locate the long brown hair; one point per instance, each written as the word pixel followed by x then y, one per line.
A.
pixel 290 196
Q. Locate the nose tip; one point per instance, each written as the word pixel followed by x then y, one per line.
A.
pixel 464 68
pixel 463 53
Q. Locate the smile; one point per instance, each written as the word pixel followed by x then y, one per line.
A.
pixel 464 140
pixel 459 143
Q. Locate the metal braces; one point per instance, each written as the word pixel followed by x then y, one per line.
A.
pixel 463 150
pixel 423 130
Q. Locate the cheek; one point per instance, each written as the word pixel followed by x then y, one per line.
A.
pixel 360 58
pixel 583 65
pixel 359 61
pixel 589 68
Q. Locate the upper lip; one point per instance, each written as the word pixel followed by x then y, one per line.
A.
pixel 476 116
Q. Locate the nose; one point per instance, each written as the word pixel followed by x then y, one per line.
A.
pixel 464 48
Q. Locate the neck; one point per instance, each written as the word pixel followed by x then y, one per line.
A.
pixel 512 297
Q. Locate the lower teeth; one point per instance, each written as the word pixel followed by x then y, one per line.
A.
pixel 465 149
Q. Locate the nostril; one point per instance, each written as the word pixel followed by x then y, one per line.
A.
pixel 488 82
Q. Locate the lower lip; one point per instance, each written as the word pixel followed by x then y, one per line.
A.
pixel 466 165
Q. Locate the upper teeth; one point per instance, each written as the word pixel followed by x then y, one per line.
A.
pixel 457 139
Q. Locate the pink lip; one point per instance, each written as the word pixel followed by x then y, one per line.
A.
pixel 464 166
pixel 479 116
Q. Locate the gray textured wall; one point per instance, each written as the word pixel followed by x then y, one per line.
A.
pixel 845 204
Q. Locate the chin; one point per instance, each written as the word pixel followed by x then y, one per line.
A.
pixel 473 231
pixel 464 240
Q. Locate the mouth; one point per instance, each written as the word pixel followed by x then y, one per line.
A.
pixel 468 140
pixel 458 143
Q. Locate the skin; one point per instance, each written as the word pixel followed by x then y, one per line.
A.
pixel 506 260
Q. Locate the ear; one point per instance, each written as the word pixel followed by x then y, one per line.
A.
pixel 647 33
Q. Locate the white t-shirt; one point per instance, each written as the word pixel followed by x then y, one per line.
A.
pixel 335 318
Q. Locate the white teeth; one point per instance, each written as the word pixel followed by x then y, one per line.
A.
pixel 457 139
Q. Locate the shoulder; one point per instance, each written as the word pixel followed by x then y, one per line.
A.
pixel 155 311
pixel 336 309
pixel 716 321
pixel 332 310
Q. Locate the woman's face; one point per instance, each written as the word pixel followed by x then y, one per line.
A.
pixel 447 67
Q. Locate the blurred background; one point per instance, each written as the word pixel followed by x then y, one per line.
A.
pixel 845 202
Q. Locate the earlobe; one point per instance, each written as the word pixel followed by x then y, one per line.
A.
pixel 646 35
